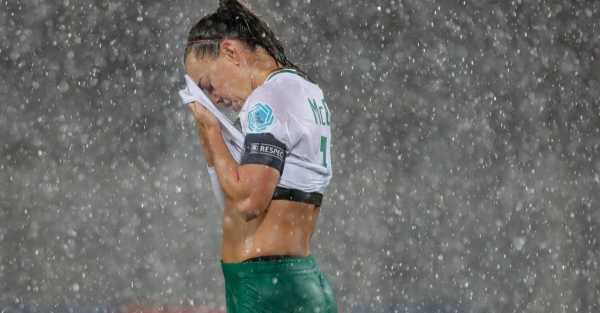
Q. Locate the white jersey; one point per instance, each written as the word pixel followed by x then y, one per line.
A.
pixel 295 112
pixel 291 109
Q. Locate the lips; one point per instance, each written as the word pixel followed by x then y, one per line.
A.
pixel 225 103
pixel 230 104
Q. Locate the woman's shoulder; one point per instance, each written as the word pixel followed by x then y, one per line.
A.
pixel 284 89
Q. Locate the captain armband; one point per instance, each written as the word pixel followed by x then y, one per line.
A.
pixel 264 149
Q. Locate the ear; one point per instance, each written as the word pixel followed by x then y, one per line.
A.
pixel 231 51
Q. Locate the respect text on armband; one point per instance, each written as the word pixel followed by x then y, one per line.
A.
pixel 268 149
pixel 264 149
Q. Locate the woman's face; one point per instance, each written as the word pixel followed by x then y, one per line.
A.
pixel 224 78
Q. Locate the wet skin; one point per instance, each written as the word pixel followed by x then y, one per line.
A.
pixel 284 227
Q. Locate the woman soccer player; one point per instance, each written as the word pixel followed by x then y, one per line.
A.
pixel 273 196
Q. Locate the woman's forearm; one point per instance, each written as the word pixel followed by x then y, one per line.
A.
pixel 224 164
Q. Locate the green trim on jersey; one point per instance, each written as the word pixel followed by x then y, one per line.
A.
pixel 283 70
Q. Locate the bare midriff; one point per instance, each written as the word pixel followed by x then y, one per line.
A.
pixel 285 228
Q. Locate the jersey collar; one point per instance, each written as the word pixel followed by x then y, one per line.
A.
pixel 275 72
pixel 280 71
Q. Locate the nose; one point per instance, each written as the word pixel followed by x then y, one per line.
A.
pixel 215 98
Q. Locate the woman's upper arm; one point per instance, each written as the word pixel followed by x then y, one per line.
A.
pixel 266 145
pixel 261 181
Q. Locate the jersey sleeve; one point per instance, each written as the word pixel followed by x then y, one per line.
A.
pixel 267 129
pixel 216 187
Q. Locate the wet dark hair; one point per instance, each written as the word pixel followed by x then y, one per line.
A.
pixel 233 20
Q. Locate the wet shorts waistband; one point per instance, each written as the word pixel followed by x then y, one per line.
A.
pixel 268 264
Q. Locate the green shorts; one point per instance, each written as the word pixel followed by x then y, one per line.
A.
pixel 279 286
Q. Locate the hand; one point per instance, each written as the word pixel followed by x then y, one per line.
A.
pixel 204 118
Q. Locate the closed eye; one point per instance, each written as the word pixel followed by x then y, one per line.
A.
pixel 208 89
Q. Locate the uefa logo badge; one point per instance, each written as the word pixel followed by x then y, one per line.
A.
pixel 260 117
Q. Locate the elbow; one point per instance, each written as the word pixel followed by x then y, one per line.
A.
pixel 249 209
pixel 248 216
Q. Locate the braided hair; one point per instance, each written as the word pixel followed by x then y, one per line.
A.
pixel 234 20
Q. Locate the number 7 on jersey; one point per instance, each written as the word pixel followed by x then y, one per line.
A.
pixel 324 149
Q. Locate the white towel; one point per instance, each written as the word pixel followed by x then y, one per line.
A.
pixel 232 136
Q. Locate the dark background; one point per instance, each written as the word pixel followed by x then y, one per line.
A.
pixel 466 154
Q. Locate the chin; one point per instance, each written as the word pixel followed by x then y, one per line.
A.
pixel 237 106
